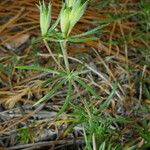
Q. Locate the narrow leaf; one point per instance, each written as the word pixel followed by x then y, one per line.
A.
pixel 82 39
pixel 50 80
pixel 54 25
pixel 93 31
pixel 38 68
pixel 87 87
pixel 48 95
pixel 146 92
pixel 55 40
pixel 119 120
pixel 109 97
pixel 88 145
pixel 68 98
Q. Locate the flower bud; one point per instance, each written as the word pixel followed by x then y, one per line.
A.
pixel 45 17
pixel 71 14
pixel 70 3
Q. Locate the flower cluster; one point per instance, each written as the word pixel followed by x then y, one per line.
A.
pixel 71 12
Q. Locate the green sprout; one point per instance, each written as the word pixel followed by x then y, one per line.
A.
pixel 25 135
pixel 45 17
pixel 70 15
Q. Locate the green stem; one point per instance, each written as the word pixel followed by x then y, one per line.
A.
pixel 48 48
pixel 65 55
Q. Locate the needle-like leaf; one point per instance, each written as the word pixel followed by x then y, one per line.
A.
pixel 68 98
pixel 48 95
